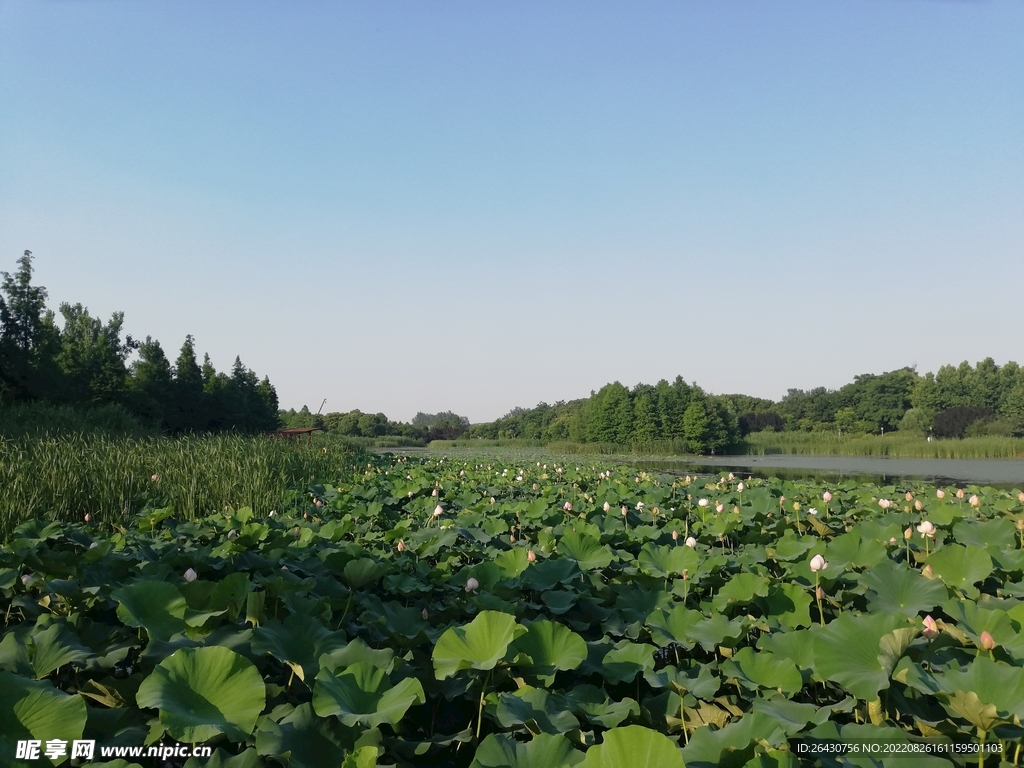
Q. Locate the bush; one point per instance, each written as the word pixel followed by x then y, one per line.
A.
pixel 955 421
pixel 916 421
pixel 759 422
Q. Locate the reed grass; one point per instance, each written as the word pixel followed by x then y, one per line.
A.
pixel 903 446
pixel 64 477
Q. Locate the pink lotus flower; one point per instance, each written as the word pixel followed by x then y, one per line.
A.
pixel 918 505
pixel 690 542
pixel 719 507
pixel 926 529
pixel 732 476
pixel 87 517
pixel 908 534
pixel 434 492
pixel 909 496
pixel 512 539
pixel 960 493
pixel 567 506
pixel 940 494
pixel 424 614
pixel 531 556
pixel 819 593
pixel 741 487
pixel 472 585
pixel 931 629
pixel 438 510
pixel 812 511
pixel 826 497
pixel 26 579
pixel 675 535
pixel 607 506
pixel 1020 497
pixel 975 501
pixel 190 575
pixel 818 563
pixel 927 572
pixel 400 546
pixel 988 642
pixel 884 503
pixel 639 506
pixel 155 478
pixel 702 502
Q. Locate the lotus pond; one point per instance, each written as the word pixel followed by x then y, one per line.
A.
pixel 440 612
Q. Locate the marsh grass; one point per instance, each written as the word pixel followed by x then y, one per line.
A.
pixel 990 447
pixel 64 477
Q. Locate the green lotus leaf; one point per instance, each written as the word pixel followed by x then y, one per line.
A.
pixel 299 643
pixel 363 757
pixel 762 669
pixel 586 551
pixel 700 680
pixel 362 694
pixel 797 646
pixel 536 709
pixel 635 746
pixel 481 644
pixel 985 693
pixel 36 710
pixel 597 707
pixel 626 660
pixel 790 547
pixel 740 590
pixel 157 606
pixel 547 647
pixel 358 573
pixel 974 619
pixel 303 739
pixel 850 550
pixel 664 561
pixel 543 751
pixel 898 589
pixel 718 630
pixel 674 626
pixel 549 573
pixel 513 562
pixel 559 601
pixel 730 746
pixel 790 605
pixel 202 692
pixel 356 652
pixel 791 716
pixel 846 651
pixel 997 534
pixel 961 567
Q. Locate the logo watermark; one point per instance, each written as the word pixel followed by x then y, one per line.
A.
pixel 57 749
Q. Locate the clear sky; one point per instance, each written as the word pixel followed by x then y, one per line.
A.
pixel 418 205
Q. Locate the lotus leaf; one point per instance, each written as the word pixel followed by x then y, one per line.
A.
pixel 481 644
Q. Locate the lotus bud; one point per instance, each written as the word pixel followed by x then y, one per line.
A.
pixel 884 503
pixel 272 513
pixel 940 494
pixel 232 534
pixel 400 546
pixel 892 539
pixel 567 506
pixel 687 480
pixel 531 556
pixel 512 538
pixel 826 497
pixel 690 542
pixel 94 545
pixel 796 506
pixel 719 507
pixel 769 515
pixel 26 578
pixel 927 571
pixel 319 503
pixel 908 534
pixel 918 505
pixel 686 574
pixel 1020 525
pixel 675 535
pixel 87 517
pixel 731 477
pixel 655 511
pixel 988 642
pixel 607 506
pixel 438 510
pixel 741 487
pixel 960 493
pixel 931 629
pixel 926 529
pixel 735 510
pixel 296 531
pixel 639 506
pixel 472 585
pixel 1020 497
pixel 702 502
pixel 535 486
pixel 190 575
pixel 424 614
pixel 781 499
pixel 812 511
pixel 155 478
pixel 819 593
pixel 434 492
pixel 409 494
pixel 818 563
pixel 492 499
pixel 975 501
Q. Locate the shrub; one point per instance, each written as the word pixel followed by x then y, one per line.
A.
pixel 955 421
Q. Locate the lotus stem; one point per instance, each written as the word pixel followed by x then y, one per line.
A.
pixel 982 734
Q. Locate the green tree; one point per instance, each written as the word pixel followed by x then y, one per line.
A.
pixel 152 382
pixel 27 335
pixel 188 411
pixel 645 425
pixel 696 426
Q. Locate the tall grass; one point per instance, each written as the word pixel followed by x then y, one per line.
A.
pixel 904 446
pixel 64 477
pixel 472 442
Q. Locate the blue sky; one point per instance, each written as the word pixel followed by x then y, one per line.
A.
pixel 460 205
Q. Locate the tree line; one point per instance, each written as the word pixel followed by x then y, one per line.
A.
pixel 424 427
pixel 957 401
pixel 79 359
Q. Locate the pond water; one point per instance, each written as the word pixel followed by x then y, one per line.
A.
pixel 1008 473
pixel 883 470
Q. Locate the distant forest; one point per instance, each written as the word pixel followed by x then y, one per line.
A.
pixel 958 401
pixel 82 361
